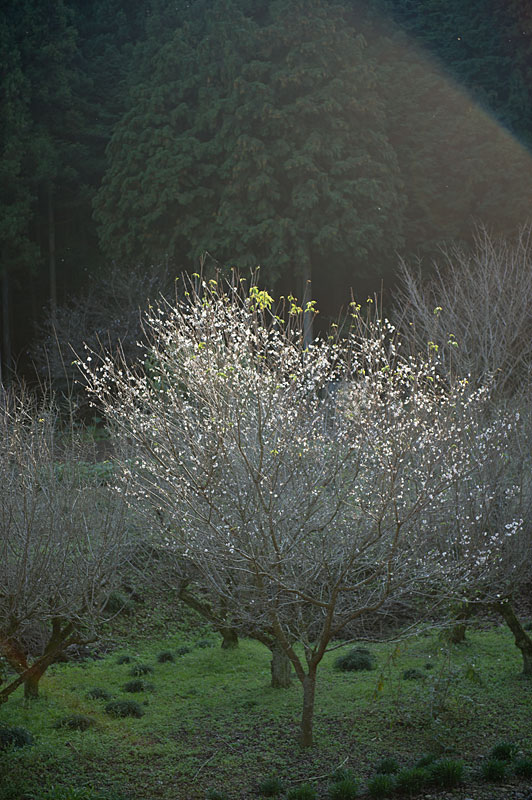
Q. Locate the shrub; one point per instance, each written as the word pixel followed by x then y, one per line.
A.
pixel 523 767
pixel 412 780
pixel 504 751
pixel 271 787
pixel 162 658
pixel 303 792
pixel 388 766
pixel 381 786
pixel 75 722
pixel 137 686
pixel 140 669
pixel 118 603
pixel 413 674
pixel 123 659
pixel 494 769
pixel 356 660
pixel 99 694
pixel 446 772
pixel 426 760
pixel 124 708
pixel 14 737
pixel 182 651
pixel 345 789
pixel 528 626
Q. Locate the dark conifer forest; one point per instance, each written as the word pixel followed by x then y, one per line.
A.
pixel 322 140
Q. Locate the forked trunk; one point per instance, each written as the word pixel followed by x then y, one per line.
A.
pixel 522 639
pixel 307 718
pixel 281 668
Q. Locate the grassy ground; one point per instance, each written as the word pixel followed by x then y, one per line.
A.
pixel 211 721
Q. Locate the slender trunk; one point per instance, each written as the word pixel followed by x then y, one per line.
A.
pixel 457 634
pixel 281 668
pixel 307 718
pixel 51 253
pixel 229 638
pixel 306 297
pixel 6 354
pixel 522 639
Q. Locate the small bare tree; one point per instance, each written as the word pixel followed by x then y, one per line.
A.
pixel 477 309
pixel 63 540
pixel 298 480
pixel 106 315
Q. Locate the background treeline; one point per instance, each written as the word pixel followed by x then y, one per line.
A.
pixel 317 139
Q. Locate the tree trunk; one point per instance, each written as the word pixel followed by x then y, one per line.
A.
pixel 281 668
pixel 5 355
pixel 51 254
pixel 307 718
pixel 522 640
pixel 229 638
pixel 60 638
pixel 31 684
pixel 457 634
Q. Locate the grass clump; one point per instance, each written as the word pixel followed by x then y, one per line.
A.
pixel 205 643
pixel 165 657
pixel 345 789
pixel 125 659
pixel 523 767
pixel 182 651
pixel 356 660
pixel 381 786
pixel 216 794
pixel 387 766
pixel 495 769
pixel 426 760
pixel 342 774
pixel 504 751
pixel 271 786
pixel 413 674
pixel 124 708
pixel 68 793
pixel 412 780
pixel 140 669
pixel 76 722
pixel 446 772
pixel 99 694
pixel 137 686
pixel 14 737
pixel 304 792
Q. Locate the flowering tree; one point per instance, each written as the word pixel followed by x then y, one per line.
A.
pixel 298 480
pixel 63 542
pixel 490 511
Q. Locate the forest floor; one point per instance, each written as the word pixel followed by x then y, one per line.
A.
pixel 212 726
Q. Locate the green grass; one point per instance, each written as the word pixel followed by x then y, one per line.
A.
pixel 212 722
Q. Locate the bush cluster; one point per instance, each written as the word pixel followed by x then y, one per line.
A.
pixel 124 708
pixel 14 737
pixel 356 660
